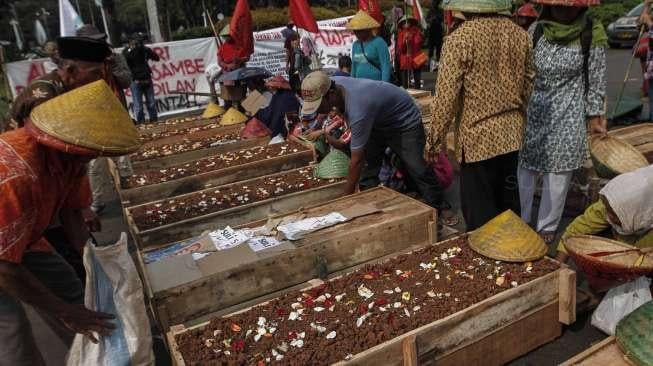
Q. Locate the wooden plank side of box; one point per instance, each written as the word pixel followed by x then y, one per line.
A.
pixel 234 216
pixel 606 352
pixel 154 192
pixel 401 222
pixel 445 339
pixel 184 157
pixel 469 325
pixel 507 343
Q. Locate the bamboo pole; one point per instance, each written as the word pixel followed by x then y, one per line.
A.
pixel 627 76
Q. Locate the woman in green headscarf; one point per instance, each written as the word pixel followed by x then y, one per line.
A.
pixel 567 103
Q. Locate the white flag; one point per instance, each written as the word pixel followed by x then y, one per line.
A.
pixel 69 20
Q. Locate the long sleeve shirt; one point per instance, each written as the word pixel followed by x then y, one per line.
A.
pixel 371 60
pixel 484 84
pixel 594 221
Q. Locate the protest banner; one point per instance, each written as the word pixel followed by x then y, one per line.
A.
pixel 183 63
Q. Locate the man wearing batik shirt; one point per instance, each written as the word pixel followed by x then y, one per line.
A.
pixel 483 87
pixel 42 170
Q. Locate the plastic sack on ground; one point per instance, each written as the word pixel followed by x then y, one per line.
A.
pixel 619 302
pixel 113 286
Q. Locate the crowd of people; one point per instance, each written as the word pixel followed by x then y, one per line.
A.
pixel 520 95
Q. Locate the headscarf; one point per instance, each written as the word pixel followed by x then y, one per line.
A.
pixel 565 34
pixel 630 196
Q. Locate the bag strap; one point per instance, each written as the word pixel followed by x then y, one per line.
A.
pixel 378 67
pixel 586 45
pixel 538 33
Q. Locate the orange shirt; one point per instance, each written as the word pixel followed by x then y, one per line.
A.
pixel 35 182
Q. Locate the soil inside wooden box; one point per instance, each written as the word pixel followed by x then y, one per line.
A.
pixel 229 159
pixel 348 315
pixel 147 136
pixel 167 122
pixel 232 195
pixel 187 144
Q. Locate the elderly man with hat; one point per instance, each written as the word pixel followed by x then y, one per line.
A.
pixel 370 54
pixel 81 61
pixel 380 115
pixel 117 73
pixel 42 169
pixel 483 87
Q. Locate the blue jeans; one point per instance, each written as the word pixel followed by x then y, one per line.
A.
pixel 138 89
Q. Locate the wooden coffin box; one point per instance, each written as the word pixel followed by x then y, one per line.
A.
pixel 190 120
pixel 235 173
pixel 640 136
pixel 606 353
pixel 157 133
pixel 216 282
pixel 491 332
pixel 239 215
pixel 162 162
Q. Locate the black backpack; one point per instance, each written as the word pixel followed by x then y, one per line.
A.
pixel 585 44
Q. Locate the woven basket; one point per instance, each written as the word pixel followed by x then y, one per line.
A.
pixel 592 255
pixel 478 6
pixel 334 165
pixel 507 238
pixel 612 156
pixel 635 335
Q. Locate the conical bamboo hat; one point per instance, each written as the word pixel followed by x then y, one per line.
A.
pixel 362 21
pixel 233 117
pixel 507 238
pixel 213 110
pixel 91 117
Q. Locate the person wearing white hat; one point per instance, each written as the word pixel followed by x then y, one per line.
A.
pixel 380 115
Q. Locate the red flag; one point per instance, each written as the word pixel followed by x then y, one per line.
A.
pixel 372 8
pixel 241 29
pixel 301 15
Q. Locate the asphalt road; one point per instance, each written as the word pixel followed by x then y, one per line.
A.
pixel 575 338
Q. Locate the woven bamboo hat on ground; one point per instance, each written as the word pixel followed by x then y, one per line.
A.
pixel 362 21
pixel 507 238
pixel 233 117
pixel 478 6
pixel 612 156
pixel 578 3
pixel 607 263
pixel 213 110
pixel 90 117
pixel 634 335
pixel 334 165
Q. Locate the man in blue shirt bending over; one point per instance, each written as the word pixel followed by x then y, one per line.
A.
pixel 380 115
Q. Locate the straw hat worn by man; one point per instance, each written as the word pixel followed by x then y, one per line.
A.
pixel 380 115
pixel 484 83
pixel 42 169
